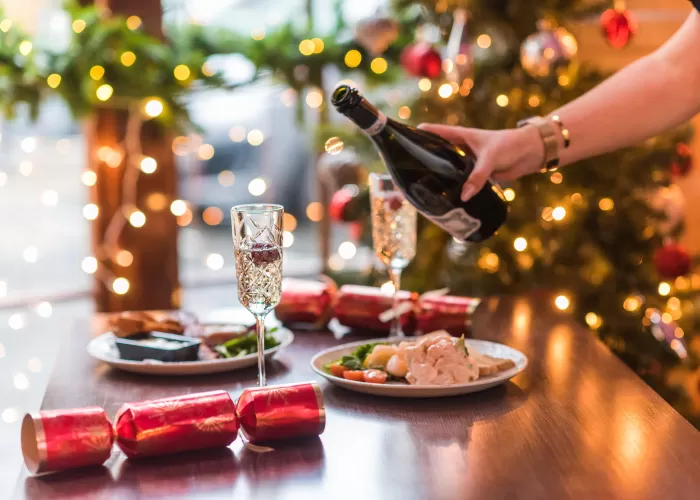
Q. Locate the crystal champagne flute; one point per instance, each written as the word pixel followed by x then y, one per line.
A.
pixel 257 242
pixel 393 233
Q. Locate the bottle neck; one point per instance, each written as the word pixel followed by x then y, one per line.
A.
pixel 367 117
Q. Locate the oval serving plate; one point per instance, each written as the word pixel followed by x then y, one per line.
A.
pixel 103 348
pixel 401 390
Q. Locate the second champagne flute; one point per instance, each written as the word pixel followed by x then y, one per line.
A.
pixel 257 242
pixel 393 233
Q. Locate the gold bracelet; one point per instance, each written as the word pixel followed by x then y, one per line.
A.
pixel 549 140
pixel 563 130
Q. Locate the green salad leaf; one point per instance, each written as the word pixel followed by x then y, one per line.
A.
pixel 460 344
pixel 245 344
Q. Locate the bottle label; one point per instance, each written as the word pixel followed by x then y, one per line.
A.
pixel 457 222
pixel 378 125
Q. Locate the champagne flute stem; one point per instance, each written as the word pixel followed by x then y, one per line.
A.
pixel 260 329
pixel 396 330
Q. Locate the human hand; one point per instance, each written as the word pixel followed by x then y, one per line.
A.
pixel 503 155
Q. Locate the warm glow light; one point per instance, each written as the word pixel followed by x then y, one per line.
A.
pixel 120 286
pixel 104 92
pixel 404 112
pixel 25 47
pixel 148 165
pixel 314 99
pixel 483 41
pixel 137 218
pixel 128 58
pixel 205 152
pixel 28 144
pixel 124 258
pixel 334 145
pixel 257 186
pixel 520 244
pixel 288 97
pixel 5 25
pixel 562 302
pixel 226 178
pixel 445 90
pixel 388 288
pixel 25 168
pixel 133 22
pixel 678 332
pixel 182 72
pixel 208 70
pixel 306 47
pixel 49 198
pixel 255 137
pixel 287 239
pixel 347 250
pixel 178 207
pixel 79 25
pixel 378 65
pixel 97 72
pixel 533 101
pixel 556 178
pixel 153 107
pixel 509 194
pixel 21 381
pixel 16 321
pixel 564 80
pixel 89 265
pixel 673 303
pixel 185 219
pixel 156 201
pixel 664 288
pixel 44 309
pixel 666 317
pixel 89 178
pixel 424 84
pixel 593 320
pixel 318 45
pixel 289 222
pixel 257 34
pixel 314 211
pixel 237 134
pixel 30 254
pixel 606 204
pixel 559 213
pixel 53 80
pixel 91 211
pixel 113 158
pixel 502 100
pixel 353 58
pixel 215 261
pixel 632 303
pixel 212 216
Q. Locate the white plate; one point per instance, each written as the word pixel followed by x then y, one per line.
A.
pixel 399 390
pixel 103 348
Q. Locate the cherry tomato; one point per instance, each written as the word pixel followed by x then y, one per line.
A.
pixel 375 376
pixel 356 375
pixel 338 370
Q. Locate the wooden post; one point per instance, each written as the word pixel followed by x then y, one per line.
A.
pixel 153 273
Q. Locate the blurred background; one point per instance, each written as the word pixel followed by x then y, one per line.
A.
pixel 242 117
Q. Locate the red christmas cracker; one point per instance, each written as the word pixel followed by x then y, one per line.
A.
pixel 306 301
pixel 56 440
pixel 171 425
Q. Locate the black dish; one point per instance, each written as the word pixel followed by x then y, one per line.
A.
pixel 134 349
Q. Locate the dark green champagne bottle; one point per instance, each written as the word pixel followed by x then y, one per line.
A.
pixel 429 170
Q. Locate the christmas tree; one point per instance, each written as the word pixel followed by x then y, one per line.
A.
pixel 600 234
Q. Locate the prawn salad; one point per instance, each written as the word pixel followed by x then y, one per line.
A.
pixel 434 359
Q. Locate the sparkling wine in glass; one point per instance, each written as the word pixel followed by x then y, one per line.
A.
pixel 257 242
pixel 393 233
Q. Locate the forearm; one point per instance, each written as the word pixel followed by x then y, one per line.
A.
pixel 647 97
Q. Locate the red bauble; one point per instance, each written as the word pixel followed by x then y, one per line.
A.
pixel 672 261
pixel 339 203
pixel 356 230
pixel 422 60
pixel 683 162
pixel 619 26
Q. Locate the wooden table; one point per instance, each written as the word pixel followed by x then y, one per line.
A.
pixel 576 424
